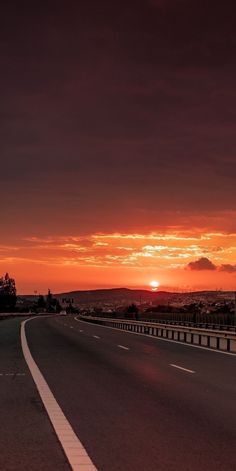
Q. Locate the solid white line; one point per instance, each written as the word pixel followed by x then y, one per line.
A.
pixel 158 338
pixel 96 337
pixel 181 368
pixel 122 346
pixel 73 448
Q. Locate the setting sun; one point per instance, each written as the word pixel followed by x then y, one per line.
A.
pixel 154 285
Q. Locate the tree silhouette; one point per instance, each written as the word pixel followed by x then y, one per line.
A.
pixel 133 310
pixel 52 304
pixel 41 303
pixel 8 296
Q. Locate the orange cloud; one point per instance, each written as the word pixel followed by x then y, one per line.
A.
pixel 131 258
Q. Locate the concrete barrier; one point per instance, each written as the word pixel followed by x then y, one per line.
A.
pixel 224 341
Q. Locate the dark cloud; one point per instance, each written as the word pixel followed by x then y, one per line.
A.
pixel 131 101
pixel 202 264
pixel 228 268
pixel 206 264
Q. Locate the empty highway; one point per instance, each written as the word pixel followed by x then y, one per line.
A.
pixel 135 403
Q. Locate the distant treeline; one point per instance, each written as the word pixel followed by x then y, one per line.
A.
pixel 223 318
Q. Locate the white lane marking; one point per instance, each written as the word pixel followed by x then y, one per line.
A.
pixel 96 337
pixel 81 330
pixel 12 374
pixel 71 327
pixel 122 346
pixel 73 448
pixel 181 368
pixel 182 344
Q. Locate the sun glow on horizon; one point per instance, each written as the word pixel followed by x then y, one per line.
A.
pixel 154 285
pixel 201 258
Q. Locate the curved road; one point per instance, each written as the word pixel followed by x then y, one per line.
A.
pixel 136 403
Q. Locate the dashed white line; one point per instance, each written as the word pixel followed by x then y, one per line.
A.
pixel 81 330
pixel 123 347
pixel 73 448
pixel 181 368
pixel 96 337
pixel 71 327
pixel 12 374
pixel 181 344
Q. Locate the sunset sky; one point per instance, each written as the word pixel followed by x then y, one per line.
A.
pixel 118 144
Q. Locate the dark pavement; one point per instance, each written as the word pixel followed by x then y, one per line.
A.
pixel 132 410
pixel 27 439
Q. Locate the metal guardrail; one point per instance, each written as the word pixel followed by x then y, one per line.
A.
pixel 208 338
pixel 200 325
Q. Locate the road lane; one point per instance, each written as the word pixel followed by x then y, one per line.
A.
pixel 27 440
pixel 217 367
pixel 73 449
pixel 131 409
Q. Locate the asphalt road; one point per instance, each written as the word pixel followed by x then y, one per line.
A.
pixel 27 440
pixel 125 396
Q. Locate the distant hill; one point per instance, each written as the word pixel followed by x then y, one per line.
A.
pixel 125 296
pixel 115 295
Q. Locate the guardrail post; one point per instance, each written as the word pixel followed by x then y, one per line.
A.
pixel 217 340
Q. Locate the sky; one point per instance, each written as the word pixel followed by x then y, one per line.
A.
pixel 117 144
